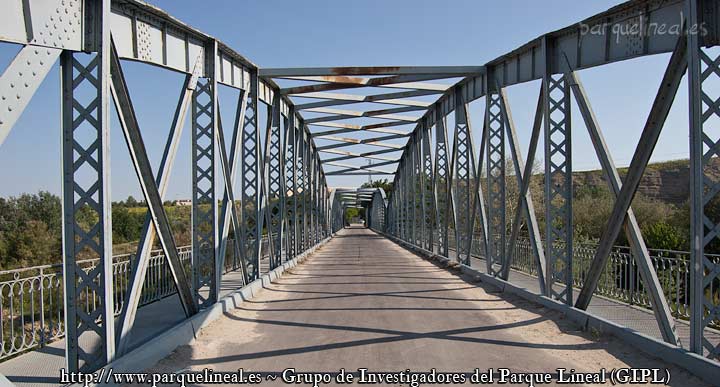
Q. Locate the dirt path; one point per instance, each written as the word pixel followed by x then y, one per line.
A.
pixel 364 302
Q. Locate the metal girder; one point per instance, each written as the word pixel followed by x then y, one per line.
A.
pixel 354 128
pixel 228 211
pixel 524 196
pixel 148 234
pixel 204 230
pixel 86 188
pixel 338 117
pixel 20 81
pixel 377 210
pixel 632 228
pixel 308 192
pixel 478 206
pixel 495 141
pixel 332 173
pixel 301 187
pixel 273 198
pixel 442 181
pixel 369 167
pixel 349 130
pixel 376 70
pixel 703 70
pixel 428 194
pixel 464 180
pixel 395 81
pixel 558 182
pixel 376 141
pixel 335 99
pixel 368 113
pixel 351 80
pixel 290 178
pixel 650 134
pixel 339 114
pixel 366 155
pixel 143 169
pixel 250 186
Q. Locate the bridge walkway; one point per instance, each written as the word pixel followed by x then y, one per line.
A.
pixel 362 301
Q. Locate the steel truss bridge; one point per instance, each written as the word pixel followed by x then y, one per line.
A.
pixel 448 196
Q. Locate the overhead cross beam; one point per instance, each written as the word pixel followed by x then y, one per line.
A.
pixel 376 141
pixel 334 99
pixel 396 81
pixel 460 71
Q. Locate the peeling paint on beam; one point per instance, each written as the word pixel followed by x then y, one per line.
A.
pixel 377 70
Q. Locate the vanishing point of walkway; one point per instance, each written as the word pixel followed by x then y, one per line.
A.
pixel 362 301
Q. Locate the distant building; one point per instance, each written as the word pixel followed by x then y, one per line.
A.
pixel 183 202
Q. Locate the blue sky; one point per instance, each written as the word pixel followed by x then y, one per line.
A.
pixel 351 33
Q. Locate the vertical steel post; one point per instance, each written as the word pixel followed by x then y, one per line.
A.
pixel 426 174
pixel 86 193
pixel 204 199
pixel 272 180
pixel 251 180
pixel 308 161
pixel 300 158
pixel 290 176
pixel 495 140
pixel 441 183
pixel 703 71
pixel 464 180
pixel 558 180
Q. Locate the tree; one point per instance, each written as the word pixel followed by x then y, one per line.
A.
pixel 131 202
pixel 350 213
pixel 386 185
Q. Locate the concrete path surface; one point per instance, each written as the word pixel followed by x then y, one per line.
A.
pixel 362 301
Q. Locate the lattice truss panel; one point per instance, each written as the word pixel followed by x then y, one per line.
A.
pixel 290 166
pixel 312 197
pixel 274 201
pixel 495 127
pixel 442 181
pixel 708 265
pixel 416 192
pixel 405 202
pixel 308 197
pixel 204 208
pixel 86 196
pixel 464 181
pixel 428 196
pixel 558 188
pixel 250 182
pixel 307 193
pixel 377 212
pixel 300 189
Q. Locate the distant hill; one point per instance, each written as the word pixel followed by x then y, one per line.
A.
pixel 667 181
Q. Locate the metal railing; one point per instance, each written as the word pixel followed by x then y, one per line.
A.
pixel 32 299
pixel 621 278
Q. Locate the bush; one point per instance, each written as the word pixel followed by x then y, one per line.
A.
pixel 662 235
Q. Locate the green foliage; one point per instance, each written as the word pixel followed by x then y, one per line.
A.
pixel 662 224
pixel 127 224
pixel 662 235
pixel 386 185
pixel 351 213
pixel 30 230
